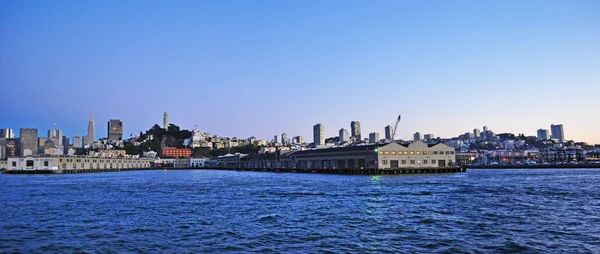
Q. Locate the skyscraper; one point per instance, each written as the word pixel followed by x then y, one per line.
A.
pixel 56 136
pixel 355 129
pixel 318 134
pixel 11 147
pixel 115 129
pixel 558 132
pixel 89 139
pixel 542 134
pixel 28 137
pixel 165 121
pixel 388 132
pixel 284 138
pixel 77 141
pixel 477 133
pixel 65 143
pixel 276 139
pixel 344 135
pixel 373 137
pixel 485 128
pixel 299 140
pixel 7 133
pixel 417 136
pixel 429 136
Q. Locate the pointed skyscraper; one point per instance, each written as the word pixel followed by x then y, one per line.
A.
pixel 89 139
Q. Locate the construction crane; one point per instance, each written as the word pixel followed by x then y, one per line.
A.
pixel 396 127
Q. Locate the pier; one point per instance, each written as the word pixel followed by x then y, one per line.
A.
pixel 398 171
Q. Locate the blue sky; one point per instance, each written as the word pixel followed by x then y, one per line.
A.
pixel 259 68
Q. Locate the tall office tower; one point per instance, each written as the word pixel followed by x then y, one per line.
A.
pixel 77 141
pixel 284 138
pixel 417 136
pixel 65 144
pixel 558 132
pixel 115 129
pixel 388 132
pixel 477 133
pixel 276 139
pixel 318 134
pixel 89 139
pixel 28 137
pixel 344 135
pixel 373 137
pixel 542 134
pixel 355 129
pixel 11 147
pixel 485 128
pixel 56 136
pixel 7 133
pixel 166 121
pixel 429 136
pixel 298 140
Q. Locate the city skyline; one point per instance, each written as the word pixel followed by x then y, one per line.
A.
pixel 462 64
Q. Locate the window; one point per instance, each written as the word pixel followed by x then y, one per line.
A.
pixel 387 153
pixel 435 152
pixel 393 153
pixel 14 163
pixel 432 161
pixel 411 152
pixel 430 152
pixel 29 164
pixel 381 153
pixel 424 161
pixel 403 161
pixel 452 152
pixel 447 153
pixel 384 162
pixel 406 153
pixel 412 162
pixel 418 153
pixel 45 163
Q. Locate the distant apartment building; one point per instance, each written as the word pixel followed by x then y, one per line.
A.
pixel 543 134
pixel 429 136
pixel 7 133
pixel 115 129
pixel 318 135
pixel 276 139
pixel 417 136
pixel 344 135
pixel 65 144
pixel 373 137
pixel 558 132
pixel 284 138
pixel 28 138
pixel 355 129
pixel 388 132
pixel 298 140
pixel 170 152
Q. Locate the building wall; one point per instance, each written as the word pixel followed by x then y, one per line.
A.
pixel 28 138
pixel 417 154
pixel 115 129
pixel 176 152
pixel 318 134
pixel 75 162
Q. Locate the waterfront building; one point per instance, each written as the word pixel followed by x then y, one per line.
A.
pixel 558 132
pixel 344 136
pixel 60 163
pixel 388 132
pixel 318 135
pixel 417 154
pixel 543 134
pixel 77 141
pixel 477 133
pixel 28 140
pixel 198 162
pixel 429 136
pixel 166 121
pixel 176 163
pixel 7 133
pixel 89 139
pixel 284 138
pixel 373 137
pixel 417 136
pixel 115 129
pixel 355 129
pixel 176 152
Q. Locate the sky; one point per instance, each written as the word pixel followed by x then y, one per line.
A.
pixel 261 68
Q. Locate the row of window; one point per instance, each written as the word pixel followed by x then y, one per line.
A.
pixel 412 162
pixel 416 153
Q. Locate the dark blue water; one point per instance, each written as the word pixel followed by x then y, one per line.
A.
pixel 479 211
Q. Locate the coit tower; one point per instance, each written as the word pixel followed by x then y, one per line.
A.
pixel 166 121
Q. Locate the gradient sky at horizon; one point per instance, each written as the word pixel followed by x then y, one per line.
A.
pixel 260 68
